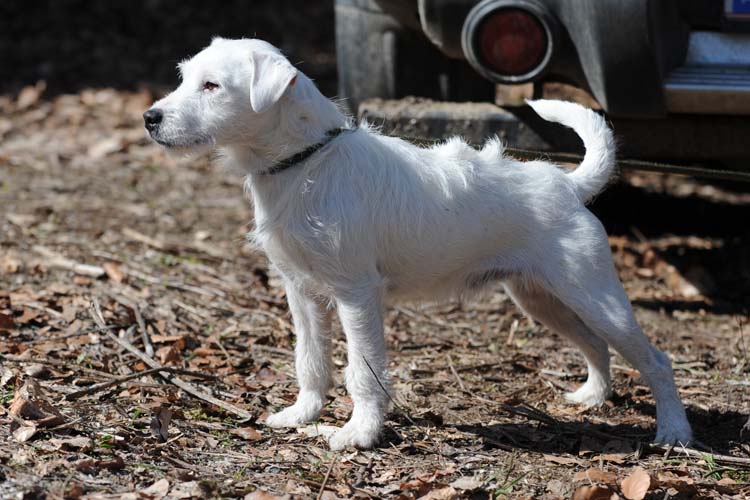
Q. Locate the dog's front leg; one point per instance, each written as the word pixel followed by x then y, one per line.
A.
pixel 312 322
pixel 362 319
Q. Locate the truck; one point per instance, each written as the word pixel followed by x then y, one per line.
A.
pixel 672 76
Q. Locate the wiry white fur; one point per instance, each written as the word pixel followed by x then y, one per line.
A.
pixel 369 218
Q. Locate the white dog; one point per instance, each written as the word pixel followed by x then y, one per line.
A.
pixel 352 218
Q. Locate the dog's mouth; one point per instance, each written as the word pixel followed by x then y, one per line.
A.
pixel 193 143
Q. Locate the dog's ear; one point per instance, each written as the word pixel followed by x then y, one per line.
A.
pixel 272 75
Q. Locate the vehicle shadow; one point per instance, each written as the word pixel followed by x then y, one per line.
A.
pixel 717 261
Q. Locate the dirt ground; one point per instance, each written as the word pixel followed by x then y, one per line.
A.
pixel 129 300
pixel 478 386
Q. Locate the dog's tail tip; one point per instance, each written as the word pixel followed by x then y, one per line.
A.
pixel 598 164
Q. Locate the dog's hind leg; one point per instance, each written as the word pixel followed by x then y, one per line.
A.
pixel 580 273
pixel 553 314
pixel 361 316
pixel 312 322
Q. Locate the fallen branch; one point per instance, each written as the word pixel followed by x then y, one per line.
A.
pixel 125 378
pixel 148 345
pixel 328 475
pixel 56 260
pixel 96 314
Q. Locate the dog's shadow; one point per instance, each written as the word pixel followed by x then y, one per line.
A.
pixel 719 432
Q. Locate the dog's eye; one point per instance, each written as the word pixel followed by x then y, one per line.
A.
pixel 209 86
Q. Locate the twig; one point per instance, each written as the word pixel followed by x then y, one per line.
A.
pixel 82 331
pixel 691 452
pixel 54 259
pixel 388 394
pixel 208 292
pixel 455 373
pixel 109 383
pixel 325 479
pixel 189 388
pixel 54 362
pixel 148 345
pixel 125 378
pixel 142 238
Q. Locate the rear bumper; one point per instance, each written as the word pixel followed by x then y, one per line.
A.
pixel 623 68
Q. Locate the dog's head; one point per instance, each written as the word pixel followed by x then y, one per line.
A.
pixel 227 96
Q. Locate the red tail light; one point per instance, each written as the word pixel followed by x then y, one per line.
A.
pixel 508 41
pixel 511 41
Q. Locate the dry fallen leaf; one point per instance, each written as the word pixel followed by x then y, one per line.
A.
pixel 594 493
pixel 595 475
pixel 157 490
pixel 560 460
pixel 160 423
pixel 467 483
pixel 91 466
pixel 113 271
pixel 77 443
pixel 6 322
pixel 247 433
pixel 445 493
pixel 24 432
pixel 30 95
pixel 30 403
pixel 636 485
pixel 168 354
pixel 264 495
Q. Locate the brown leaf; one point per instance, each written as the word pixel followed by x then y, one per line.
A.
pixel 682 483
pixel 560 460
pixel 113 271
pixel 30 403
pixel 160 423
pixel 594 493
pixel 157 490
pixel 264 495
pixel 75 443
pixel 5 301
pixel 6 322
pixel 595 475
pixel 24 432
pixel 247 433
pixel 30 95
pixel 28 315
pixel 636 485
pixel 10 264
pixel 91 465
pixel 168 354
pixel 445 493
pixel 468 483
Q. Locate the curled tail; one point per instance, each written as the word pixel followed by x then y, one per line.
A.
pixel 598 163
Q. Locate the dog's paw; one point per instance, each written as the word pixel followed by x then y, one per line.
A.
pixel 674 434
pixel 306 409
pixel 360 435
pixel 588 395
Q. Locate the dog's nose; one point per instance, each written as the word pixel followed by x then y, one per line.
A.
pixel 152 118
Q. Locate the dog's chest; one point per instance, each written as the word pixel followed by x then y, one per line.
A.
pixel 288 252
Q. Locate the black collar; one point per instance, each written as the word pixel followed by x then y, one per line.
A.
pixel 298 158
